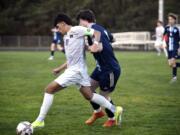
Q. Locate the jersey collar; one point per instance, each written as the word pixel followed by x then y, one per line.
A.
pixel 90 25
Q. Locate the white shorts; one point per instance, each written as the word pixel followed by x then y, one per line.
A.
pixel 71 76
pixel 158 43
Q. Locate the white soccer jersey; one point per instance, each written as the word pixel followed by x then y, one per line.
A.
pixel 74 44
pixel 159 33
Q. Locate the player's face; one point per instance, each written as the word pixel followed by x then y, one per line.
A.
pixel 61 27
pixel 158 24
pixel 171 20
pixel 83 23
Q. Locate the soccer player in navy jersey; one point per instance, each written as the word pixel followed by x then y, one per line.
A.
pixel 172 38
pixel 56 43
pixel 107 70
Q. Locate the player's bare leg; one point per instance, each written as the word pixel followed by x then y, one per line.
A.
pixel 172 64
pixel 52 49
pixel 165 52
pixel 59 47
pixel 158 50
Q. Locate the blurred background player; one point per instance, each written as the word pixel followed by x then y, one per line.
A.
pixel 56 43
pixel 107 70
pixel 172 38
pixel 159 38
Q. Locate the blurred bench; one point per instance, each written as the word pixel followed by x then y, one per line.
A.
pixel 133 41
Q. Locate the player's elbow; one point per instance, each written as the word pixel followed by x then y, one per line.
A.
pixel 96 48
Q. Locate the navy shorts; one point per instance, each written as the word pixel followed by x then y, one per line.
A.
pixel 172 54
pixel 107 79
pixel 57 41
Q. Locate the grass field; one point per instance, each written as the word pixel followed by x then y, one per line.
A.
pixel 151 104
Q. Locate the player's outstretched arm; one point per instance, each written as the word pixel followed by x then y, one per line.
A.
pixel 96 46
pixel 60 68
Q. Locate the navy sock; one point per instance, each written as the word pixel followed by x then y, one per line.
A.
pixel 108 112
pixel 52 53
pixel 177 65
pixel 174 71
pixel 95 106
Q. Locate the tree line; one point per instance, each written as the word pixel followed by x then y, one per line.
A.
pixel 35 17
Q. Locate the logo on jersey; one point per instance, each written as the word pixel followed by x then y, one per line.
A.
pixel 88 30
pixel 66 42
pixel 175 30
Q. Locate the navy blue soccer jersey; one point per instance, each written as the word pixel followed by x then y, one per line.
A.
pixel 105 59
pixel 173 38
pixel 57 37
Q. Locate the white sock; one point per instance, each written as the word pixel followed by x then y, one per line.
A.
pixel 158 50
pixel 102 101
pixel 165 52
pixel 47 102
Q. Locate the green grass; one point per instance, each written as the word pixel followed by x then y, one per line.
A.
pixel 151 104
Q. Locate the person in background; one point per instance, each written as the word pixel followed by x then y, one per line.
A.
pixel 56 43
pixel 159 31
pixel 172 38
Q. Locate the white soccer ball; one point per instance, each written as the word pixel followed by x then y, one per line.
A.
pixel 24 128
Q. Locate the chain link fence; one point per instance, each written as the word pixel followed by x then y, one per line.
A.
pixel 25 42
pixel 40 43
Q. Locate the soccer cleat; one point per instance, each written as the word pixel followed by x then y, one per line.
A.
pixel 94 117
pixel 118 115
pixel 38 124
pixel 51 58
pixel 158 54
pixel 173 80
pixel 109 123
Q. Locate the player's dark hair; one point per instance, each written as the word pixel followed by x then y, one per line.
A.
pixel 158 21
pixel 62 18
pixel 87 15
pixel 174 16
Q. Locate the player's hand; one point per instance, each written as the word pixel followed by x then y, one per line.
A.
pixel 164 44
pixel 179 51
pixel 96 48
pixel 56 71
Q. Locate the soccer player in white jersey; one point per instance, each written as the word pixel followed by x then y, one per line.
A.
pixel 76 69
pixel 159 38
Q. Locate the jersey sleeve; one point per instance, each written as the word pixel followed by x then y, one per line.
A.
pixel 162 30
pixel 86 31
pixel 111 38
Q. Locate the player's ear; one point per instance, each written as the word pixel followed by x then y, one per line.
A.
pixel 63 24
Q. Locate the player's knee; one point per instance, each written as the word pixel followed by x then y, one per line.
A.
pixel 88 97
pixel 170 64
pixel 174 65
pixel 50 89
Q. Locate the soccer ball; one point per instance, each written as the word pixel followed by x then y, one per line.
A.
pixel 24 128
